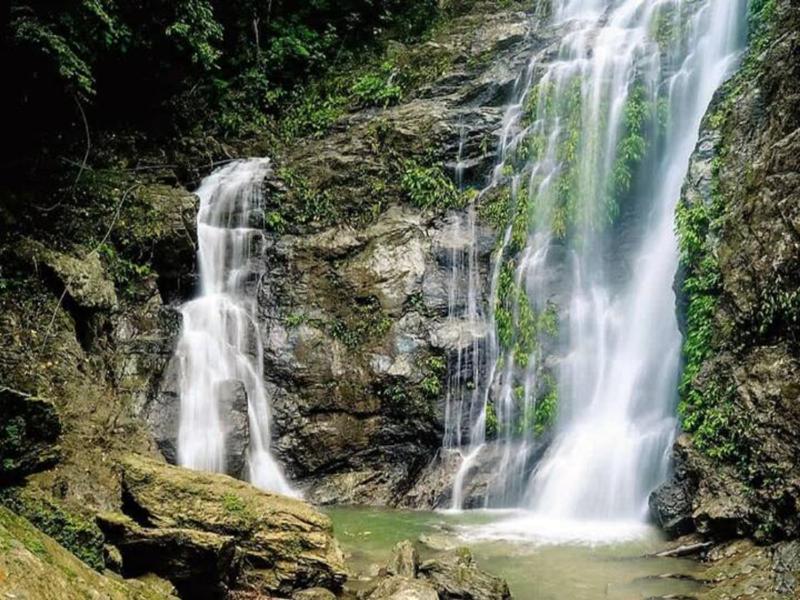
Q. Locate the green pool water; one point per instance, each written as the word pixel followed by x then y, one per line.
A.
pixel 535 562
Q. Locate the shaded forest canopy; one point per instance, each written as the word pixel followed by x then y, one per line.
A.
pixel 187 67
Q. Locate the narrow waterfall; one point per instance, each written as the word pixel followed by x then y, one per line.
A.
pixel 220 348
pixel 585 353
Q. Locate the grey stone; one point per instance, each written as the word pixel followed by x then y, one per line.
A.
pixel 671 507
pixel 456 576
pixel 404 560
pixel 316 593
pixel 233 410
pixel 402 588
pixel 29 432
pixel 162 413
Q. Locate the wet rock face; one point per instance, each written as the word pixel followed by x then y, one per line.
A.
pixel 745 171
pixel 162 413
pixel 210 533
pixel 353 309
pixel 671 503
pixel 480 484
pixel 233 405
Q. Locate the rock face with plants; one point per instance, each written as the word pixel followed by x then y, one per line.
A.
pixel 736 469
pixel 98 248
pixel 353 307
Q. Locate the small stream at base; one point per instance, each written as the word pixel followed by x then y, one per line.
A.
pixel 537 567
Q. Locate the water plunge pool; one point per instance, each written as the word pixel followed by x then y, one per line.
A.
pixel 539 562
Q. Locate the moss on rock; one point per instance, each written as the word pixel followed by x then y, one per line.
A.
pixel 175 513
pixel 33 565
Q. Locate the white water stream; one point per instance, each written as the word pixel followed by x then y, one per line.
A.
pixel 607 128
pixel 220 344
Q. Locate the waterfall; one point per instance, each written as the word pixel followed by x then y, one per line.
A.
pixel 585 354
pixel 220 352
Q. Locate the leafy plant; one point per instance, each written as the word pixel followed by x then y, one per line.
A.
pixel 127 275
pixel 378 88
pixel 429 188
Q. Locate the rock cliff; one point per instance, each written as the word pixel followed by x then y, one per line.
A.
pixel 739 228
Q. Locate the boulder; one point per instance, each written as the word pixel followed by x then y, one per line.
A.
pixel 284 544
pixel 29 431
pixel 451 575
pixel 671 508
pixel 84 279
pixel 200 564
pixel 456 576
pixel 671 502
pixel 402 588
pixel 316 593
pixel 404 560
pixel 233 407
pixel 701 495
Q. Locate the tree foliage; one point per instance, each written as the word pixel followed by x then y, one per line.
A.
pixel 164 66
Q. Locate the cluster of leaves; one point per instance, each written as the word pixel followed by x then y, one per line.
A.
pixel 428 187
pixel 492 424
pixel 546 408
pixel 520 330
pixel 127 275
pixel 567 185
pixel 537 417
pixel 761 14
pixel 495 206
pixel 304 205
pixel 366 323
pixel 435 368
pixel 379 87
pixel 631 148
pixel 704 409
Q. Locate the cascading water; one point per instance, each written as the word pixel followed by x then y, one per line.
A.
pixel 220 344
pixel 586 349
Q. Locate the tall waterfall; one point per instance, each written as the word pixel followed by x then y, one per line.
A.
pixel 220 348
pixel 585 352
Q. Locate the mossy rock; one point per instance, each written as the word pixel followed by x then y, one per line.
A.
pixel 84 279
pixel 74 532
pixel 285 543
pixel 33 565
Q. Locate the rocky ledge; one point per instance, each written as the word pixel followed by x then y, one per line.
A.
pixel 210 534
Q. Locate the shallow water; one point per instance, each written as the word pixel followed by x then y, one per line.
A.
pixel 537 564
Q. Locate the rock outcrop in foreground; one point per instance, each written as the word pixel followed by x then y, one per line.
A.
pixel 209 534
pixel 33 566
pixel 449 576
